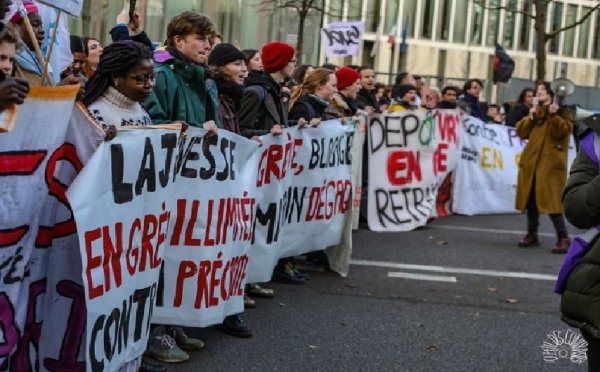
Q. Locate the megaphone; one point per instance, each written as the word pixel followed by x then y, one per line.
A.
pixel 562 87
pixel 582 114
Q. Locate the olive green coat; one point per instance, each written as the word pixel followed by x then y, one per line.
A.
pixel 580 301
pixel 545 158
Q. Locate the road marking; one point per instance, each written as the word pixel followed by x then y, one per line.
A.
pixel 433 278
pixel 454 270
pixel 478 229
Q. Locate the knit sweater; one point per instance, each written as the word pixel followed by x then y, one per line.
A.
pixel 114 108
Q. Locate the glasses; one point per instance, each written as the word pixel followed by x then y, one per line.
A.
pixel 143 79
pixel 294 61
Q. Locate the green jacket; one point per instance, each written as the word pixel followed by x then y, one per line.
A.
pixel 182 93
pixel 580 301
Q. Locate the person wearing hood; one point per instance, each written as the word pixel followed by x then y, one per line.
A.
pixel 182 91
pixel 343 103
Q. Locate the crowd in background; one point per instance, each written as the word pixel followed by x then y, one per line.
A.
pixel 197 79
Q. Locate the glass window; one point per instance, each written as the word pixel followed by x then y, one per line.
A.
pixel 446 12
pixel 477 24
pixel 372 22
pixel 354 9
pixel 570 33
pixel 584 34
pixel 427 26
pixel 509 25
pixel 410 10
pixel 596 51
pixel 556 15
pixel 391 15
pixel 336 10
pixel 460 21
pixel 526 26
pixel 493 22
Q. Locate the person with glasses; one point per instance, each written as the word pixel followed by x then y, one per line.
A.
pixel 123 81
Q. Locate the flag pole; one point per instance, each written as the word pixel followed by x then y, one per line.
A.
pixel 52 40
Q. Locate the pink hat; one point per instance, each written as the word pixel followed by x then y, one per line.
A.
pixel 29 8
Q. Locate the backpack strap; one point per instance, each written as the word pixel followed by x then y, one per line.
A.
pixel 309 108
pixel 260 90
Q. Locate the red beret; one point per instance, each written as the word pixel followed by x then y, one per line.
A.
pixel 346 76
pixel 275 56
pixel 29 8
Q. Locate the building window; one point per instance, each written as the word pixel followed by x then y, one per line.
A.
pixel 373 18
pixel 460 21
pixel 426 30
pixel 556 15
pixel 596 51
pixel 584 34
pixel 477 24
pixel 446 10
pixel 509 25
pixel 354 9
pixel 493 23
pixel 569 42
pixel 526 26
pixel 391 17
pixel 410 12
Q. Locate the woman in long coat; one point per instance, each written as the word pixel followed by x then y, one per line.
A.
pixel 543 167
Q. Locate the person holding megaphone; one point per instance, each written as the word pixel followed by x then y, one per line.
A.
pixel 543 166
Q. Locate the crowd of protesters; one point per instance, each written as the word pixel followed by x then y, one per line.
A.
pixel 197 79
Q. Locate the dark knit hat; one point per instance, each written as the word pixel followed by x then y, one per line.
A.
pixel 346 76
pixel 223 54
pixel 400 90
pixel 275 56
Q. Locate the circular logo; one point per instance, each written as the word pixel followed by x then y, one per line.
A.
pixel 564 345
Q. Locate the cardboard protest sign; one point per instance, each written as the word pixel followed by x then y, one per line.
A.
pixel 343 38
pixel 410 154
pixel 41 299
pixel 304 190
pixel 72 7
pixel 485 180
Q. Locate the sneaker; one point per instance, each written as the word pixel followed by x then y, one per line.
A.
pixel 287 274
pixel 256 290
pixel 248 302
pixel 185 342
pixel 163 347
pixel 234 325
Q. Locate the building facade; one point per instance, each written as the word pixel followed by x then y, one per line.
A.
pixel 445 39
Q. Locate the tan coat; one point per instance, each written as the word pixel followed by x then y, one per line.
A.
pixel 545 157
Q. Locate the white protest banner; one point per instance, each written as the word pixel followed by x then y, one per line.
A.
pixel 72 7
pixel 485 180
pixel 304 189
pixel 410 154
pixel 342 38
pixel 42 312
pixel 170 206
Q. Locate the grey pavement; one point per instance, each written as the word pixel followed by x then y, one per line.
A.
pixel 370 321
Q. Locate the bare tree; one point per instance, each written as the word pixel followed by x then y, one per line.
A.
pixel 303 7
pixel 539 18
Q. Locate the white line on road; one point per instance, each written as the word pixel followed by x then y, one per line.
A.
pixel 498 231
pixel 433 278
pixel 454 270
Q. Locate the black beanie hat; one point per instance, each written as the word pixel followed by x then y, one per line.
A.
pixel 223 54
pixel 400 90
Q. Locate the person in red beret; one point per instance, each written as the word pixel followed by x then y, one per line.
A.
pixel 264 110
pixel 343 104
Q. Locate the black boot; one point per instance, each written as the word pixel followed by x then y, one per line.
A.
pixel 234 325
pixel 530 240
pixel 151 367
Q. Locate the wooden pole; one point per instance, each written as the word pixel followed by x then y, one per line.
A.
pixel 36 45
pixel 52 40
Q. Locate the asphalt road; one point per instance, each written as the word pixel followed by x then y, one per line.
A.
pixel 477 319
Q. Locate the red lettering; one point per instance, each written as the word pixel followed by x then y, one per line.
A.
pixel 150 228
pixel 440 157
pixel 109 251
pixel 208 241
pixel 406 163
pixel 202 288
pixel 181 207
pixel 133 251
pixel 187 269
pixel 93 262
pixel 189 231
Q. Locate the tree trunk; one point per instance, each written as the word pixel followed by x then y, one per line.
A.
pixel 541 9
pixel 300 42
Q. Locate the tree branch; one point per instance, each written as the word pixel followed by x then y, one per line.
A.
pixel 507 8
pixel 552 34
